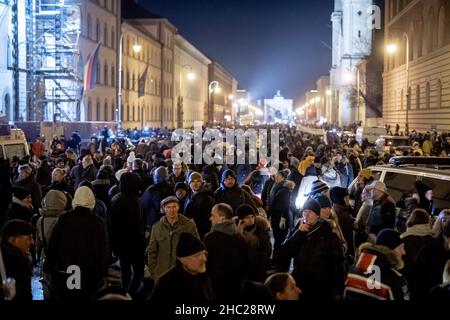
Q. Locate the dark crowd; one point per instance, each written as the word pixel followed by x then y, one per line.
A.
pixel 141 226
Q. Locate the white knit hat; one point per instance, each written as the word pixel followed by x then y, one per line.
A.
pixel 84 197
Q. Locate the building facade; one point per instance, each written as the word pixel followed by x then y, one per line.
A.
pixel 416 77
pixel 352 43
pixel 191 83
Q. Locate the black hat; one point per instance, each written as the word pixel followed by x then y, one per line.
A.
pixel 389 238
pixel 318 186
pixel 21 193
pixel 312 205
pixel 228 173
pixel 422 187
pixel 180 185
pixel 245 210
pixel 188 245
pixel 337 195
pixel 16 227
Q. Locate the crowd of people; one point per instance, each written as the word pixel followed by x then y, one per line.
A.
pixel 138 225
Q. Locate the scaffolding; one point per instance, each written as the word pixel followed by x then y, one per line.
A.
pixel 55 65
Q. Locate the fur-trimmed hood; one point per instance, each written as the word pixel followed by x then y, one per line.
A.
pixel 289 184
pixel 384 254
pixel 420 230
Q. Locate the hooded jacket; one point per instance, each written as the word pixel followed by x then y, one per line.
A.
pixel 34 188
pixel 151 200
pixel 228 259
pixel 127 220
pixel 392 285
pixel 198 207
pixel 55 203
pixel 163 243
pixel 20 210
pixel 233 196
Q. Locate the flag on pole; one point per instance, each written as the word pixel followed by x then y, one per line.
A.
pixel 90 70
pixel 141 83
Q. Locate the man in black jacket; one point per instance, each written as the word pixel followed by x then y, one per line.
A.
pixel 228 254
pixel 59 183
pixel 128 231
pixel 78 240
pixel 16 240
pixel 187 281
pixel 318 257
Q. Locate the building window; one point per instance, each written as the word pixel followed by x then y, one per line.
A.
pixel 89 111
pixel 105 110
pixel 113 111
pixel 133 114
pixel 105 74
pixel 97 80
pixel 105 35
pixel 89 26
pixel 427 96
pixel 113 76
pixel 418 97
pixel 134 82
pixel 97 30
pixel 401 99
pixel 113 38
pixel 128 80
pixel 439 94
pixel 97 118
pixel 408 99
pixel 441 27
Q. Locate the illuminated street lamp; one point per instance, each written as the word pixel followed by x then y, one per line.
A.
pixel 392 49
pixel 136 48
pixel 213 87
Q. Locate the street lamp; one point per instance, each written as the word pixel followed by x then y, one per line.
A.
pixel 136 48
pixel 190 76
pixel 392 48
pixel 213 87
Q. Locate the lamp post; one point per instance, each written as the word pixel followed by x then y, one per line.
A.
pixel 190 76
pixel 213 87
pixel 392 49
pixel 136 48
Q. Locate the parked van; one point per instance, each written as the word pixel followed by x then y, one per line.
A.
pixel 369 133
pixel 385 143
pixel 12 143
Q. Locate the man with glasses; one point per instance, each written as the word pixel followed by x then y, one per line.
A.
pixel 164 237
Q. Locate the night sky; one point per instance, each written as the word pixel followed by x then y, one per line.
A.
pixel 265 44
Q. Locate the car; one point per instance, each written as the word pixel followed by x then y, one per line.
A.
pixel 401 173
pixel 385 143
pixel 12 143
pixel 369 133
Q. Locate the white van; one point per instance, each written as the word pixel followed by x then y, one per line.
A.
pixel 13 143
pixel 369 133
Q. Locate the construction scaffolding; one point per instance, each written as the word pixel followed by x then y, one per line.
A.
pixel 55 65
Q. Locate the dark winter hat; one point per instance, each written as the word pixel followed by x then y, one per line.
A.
pixel 188 245
pixel 317 159
pixel 228 173
pixel 195 176
pixel 180 185
pixel 21 193
pixel 337 195
pixel 312 205
pixel 161 174
pixel 422 187
pixel 389 238
pixel 318 186
pixel 16 227
pixel 323 201
pixel 245 210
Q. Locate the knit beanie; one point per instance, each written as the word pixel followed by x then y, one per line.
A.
pixel 389 238
pixel 318 186
pixel 195 176
pixel 84 197
pixel 188 245
pixel 312 205
pixel 228 173
pixel 180 185
pixel 323 201
pixel 21 193
pixel 244 211
pixel 337 195
pixel 161 174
